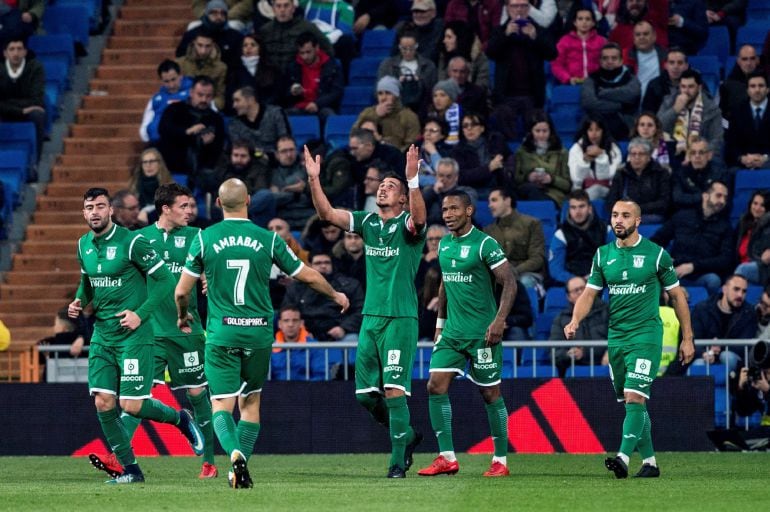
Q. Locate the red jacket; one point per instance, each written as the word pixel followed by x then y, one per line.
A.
pixel 657 15
pixel 577 57
pixel 311 78
pixel 488 13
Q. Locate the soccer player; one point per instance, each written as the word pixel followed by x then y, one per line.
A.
pixel 393 242
pixel 183 354
pixel 469 330
pixel 633 268
pixel 237 256
pixel 114 263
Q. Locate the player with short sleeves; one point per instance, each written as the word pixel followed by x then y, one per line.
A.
pixel 237 257
pixel 634 269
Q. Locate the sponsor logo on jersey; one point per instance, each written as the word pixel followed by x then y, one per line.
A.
pixel 638 260
pixel 465 250
pixel 393 368
pixel 175 267
pixel 382 252
pixel 489 366
pixel 456 277
pixel 179 242
pixel 643 366
pixel 484 355
pixel 131 367
pixel 89 251
pixel 610 262
pixel 244 322
pixel 394 356
pixel 232 241
pixel 111 252
pixel 639 376
pixel 105 282
pixel 191 359
pixel 627 289
pixel 151 255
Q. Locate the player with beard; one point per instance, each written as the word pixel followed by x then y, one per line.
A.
pixel 634 269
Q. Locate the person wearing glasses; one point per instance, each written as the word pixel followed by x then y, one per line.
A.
pixel 416 73
pixel 150 173
pixel 125 210
pixel 691 179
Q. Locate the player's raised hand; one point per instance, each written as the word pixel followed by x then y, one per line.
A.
pixel 184 323
pixel 74 309
pixel 312 165
pixel 494 332
pixel 342 300
pixel 129 319
pixel 570 329
pixel 412 159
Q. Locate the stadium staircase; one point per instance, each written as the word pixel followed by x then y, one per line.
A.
pixel 101 149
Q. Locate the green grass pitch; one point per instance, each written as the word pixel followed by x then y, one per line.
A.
pixel 690 481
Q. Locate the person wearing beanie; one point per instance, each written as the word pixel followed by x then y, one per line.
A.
pixel 400 126
pixel 445 107
pixel 239 12
pixel 214 22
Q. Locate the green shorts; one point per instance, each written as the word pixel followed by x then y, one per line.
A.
pixel 125 371
pixel 386 347
pixel 234 371
pixel 633 367
pixel 184 356
pixel 486 363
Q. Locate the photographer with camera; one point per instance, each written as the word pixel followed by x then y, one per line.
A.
pixel 753 393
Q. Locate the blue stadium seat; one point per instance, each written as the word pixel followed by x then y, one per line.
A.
pixel 93 8
pixel 567 124
pixel 720 396
pixel 754 420
pixel 20 136
pixel 534 302
pixel 729 64
pixel 539 371
pixel 51 105
pixel 53 45
pixel 377 43
pixel 13 171
pixel 753 34
pixel 715 370
pixel 68 19
pixel 647 230
pixel 555 300
pixel 753 293
pixel 565 97
pixel 543 326
pixel 181 179
pixel 363 71
pixel 56 72
pixel 697 294
pixel 710 67
pixel 623 147
pixel 418 371
pixel 746 182
pixel 542 356
pixel 492 67
pixel 718 43
pixel 355 98
pixel 483 215
pixel 543 210
pixel 303 129
pixel 514 146
pixel 758 10
pixel 337 130
pixel 585 371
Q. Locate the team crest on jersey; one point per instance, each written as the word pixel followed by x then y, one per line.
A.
pixel 179 242
pixel 638 260
pixel 111 252
pixel 392 229
pixel 394 356
pixel 465 250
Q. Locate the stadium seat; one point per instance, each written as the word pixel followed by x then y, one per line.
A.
pixel 753 421
pixel 337 130
pixel 746 182
pixel 363 71
pixel 181 179
pixel 758 10
pixel 13 171
pixel 543 326
pixel 564 97
pixel 710 67
pixel 93 8
pixel 20 136
pixel 542 356
pixel 56 72
pixel 303 129
pixel 623 147
pixel 714 370
pixel 538 371
pixel 753 293
pixel 492 67
pixel 514 146
pixel 753 34
pixel 534 302
pixel 718 43
pixel 585 371
pixel 545 211
pixel 647 230
pixel 697 294
pixel 377 43
pixel 53 45
pixel 355 98
pixel 720 401
pixel 68 19
pixel 483 215
pixel 567 124
pixel 555 301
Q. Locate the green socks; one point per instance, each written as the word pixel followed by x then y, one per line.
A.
pixel 441 420
pixel 645 442
pixel 247 433
pixel 201 406
pixel 497 415
pixel 375 404
pixel 399 429
pixel 156 410
pixel 130 423
pixel 116 436
pixel 224 428
pixel 633 427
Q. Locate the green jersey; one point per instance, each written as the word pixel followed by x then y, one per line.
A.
pixel 237 257
pixel 393 253
pixel 113 268
pixel 466 263
pixel 173 247
pixel 634 276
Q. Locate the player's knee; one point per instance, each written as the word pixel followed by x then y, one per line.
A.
pixel 104 402
pixel 436 387
pixel 634 398
pixel 195 391
pixel 367 400
pixel 490 394
pixel 131 407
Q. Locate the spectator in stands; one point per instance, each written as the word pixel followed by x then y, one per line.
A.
pixel 66 331
pixel 415 72
pixel 644 181
pixel 632 12
pixel 578 49
pixel 374 14
pixel 701 239
pixel 125 210
pixel 237 13
pixel 690 112
pixel 519 49
pixel 400 125
pixel 543 13
pixel 645 58
pixel 322 316
pixel 203 58
pixel 315 81
pixel 429 259
pixel 594 326
pixel 175 87
pixel 22 88
pixel 257 122
pixel 667 82
pixel 433 148
pixel 200 222
pixel 192 134
pixel 253 170
pixel 520 236
pixel 150 173
pixel 757 270
pixel 447 180
pixel 725 315
pixel 520 318
pixel 471 97
pixel 292 329
pixel 748 137
pixel 731 13
pixel 289 184
pixel 688 26
pixel 334 18
pixel 479 16
pixel 444 106
pixel 733 90
pixel 320 235
pixel 459 40
pixel 758 206
pixel 214 23
pixel 281 227
pixel 349 258
pixel 576 240
pixel 483 157
pixel 542 170
pixel 365 150
pixel 426 26
pixel 254 70
pixel 279 34
pixel 691 180
pixel 593 159
pixel 20 19
pixel 763 315
pixel 612 92
pixel 372 181
pixel 647 127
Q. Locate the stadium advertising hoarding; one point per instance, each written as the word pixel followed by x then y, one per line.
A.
pixel 545 416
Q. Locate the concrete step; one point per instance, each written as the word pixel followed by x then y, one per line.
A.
pixel 127 72
pixel 147 56
pixel 88 175
pixel 86 146
pixel 97 161
pixel 112 116
pixel 23 334
pixel 55 232
pixel 58 204
pixel 156 12
pixel 60 217
pixel 32 262
pixel 29 319
pixel 127 42
pixel 41 277
pixel 30 292
pixel 151 28
pixel 69 190
pixel 135 102
pixel 121 87
pixel 53 247
pixel 34 306
pixel 105 131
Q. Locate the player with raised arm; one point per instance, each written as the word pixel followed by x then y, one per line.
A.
pixel 468 330
pixel 633 269
pixel 236 257
pixel 113 265
pixel 393 240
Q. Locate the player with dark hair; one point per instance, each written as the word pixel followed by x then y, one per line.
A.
pixel 633 268
pixel 393 242
pixel 237 257
pixel 469 331
pixel 114 263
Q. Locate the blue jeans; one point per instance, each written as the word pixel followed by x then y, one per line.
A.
pixel 750 271
pixel 710 281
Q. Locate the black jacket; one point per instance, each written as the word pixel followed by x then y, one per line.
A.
pixel 184 153
pixel 688 184
pixel 743 138
pixel 658 88
pixel 733 91
pixel 227 39
pixel 651 190
pixel 707 323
